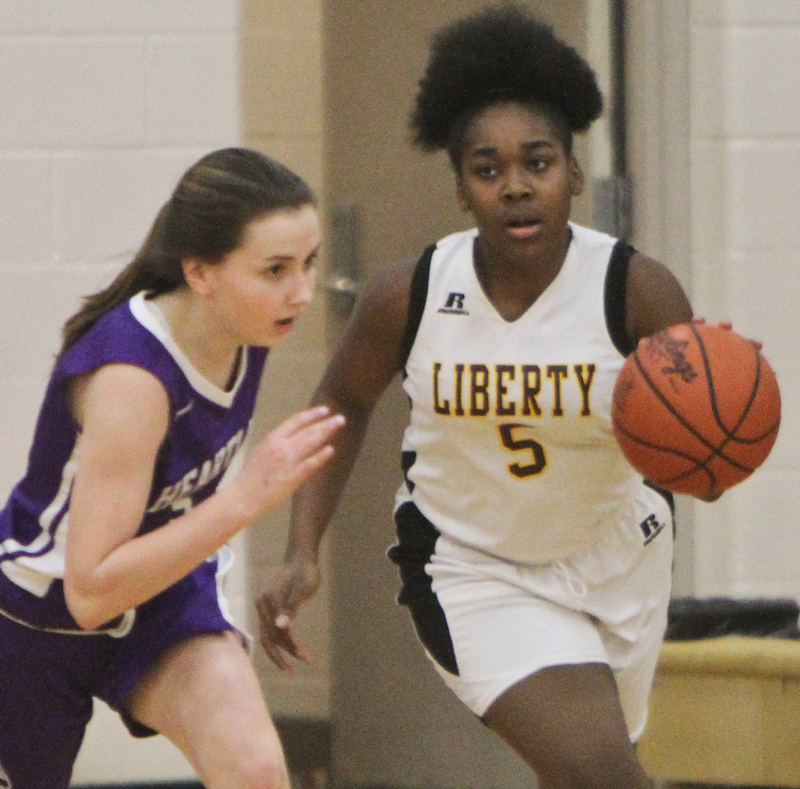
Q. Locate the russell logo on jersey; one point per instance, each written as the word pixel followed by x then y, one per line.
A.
pixel 454 305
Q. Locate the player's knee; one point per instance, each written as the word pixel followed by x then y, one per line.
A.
pixel 595 768
pixel 262 772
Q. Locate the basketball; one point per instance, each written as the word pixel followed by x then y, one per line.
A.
pixel 696 408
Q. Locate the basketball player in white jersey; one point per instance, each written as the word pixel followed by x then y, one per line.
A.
pixel 534 561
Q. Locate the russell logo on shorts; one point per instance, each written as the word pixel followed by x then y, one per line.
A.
pixel 651 527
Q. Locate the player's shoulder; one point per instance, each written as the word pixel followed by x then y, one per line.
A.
pixel 386 301
pixel 384 298
pixel 387 294
pixel 116 336
pixel 655 298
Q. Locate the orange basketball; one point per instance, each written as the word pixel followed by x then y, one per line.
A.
pixel 696 408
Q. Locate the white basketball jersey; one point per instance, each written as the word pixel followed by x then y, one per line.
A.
pixel 510 448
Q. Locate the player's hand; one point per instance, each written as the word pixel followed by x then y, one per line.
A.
pixel 757 344
pixel 281 461
pixel 710 497
pixel 277 608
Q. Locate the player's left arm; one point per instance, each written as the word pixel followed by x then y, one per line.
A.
pixel 654 298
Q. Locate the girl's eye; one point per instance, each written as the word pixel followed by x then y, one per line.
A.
pixel 485 171
pixel 275 270
pixel 537 165
pixel 310 262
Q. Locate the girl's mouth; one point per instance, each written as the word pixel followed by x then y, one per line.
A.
pixel 523 228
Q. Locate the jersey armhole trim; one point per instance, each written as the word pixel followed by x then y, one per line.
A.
pixel 614 297
pixel 418 295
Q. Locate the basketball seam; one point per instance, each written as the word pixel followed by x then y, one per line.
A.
pixel 698 464
pixel 731 434
pixel 715 451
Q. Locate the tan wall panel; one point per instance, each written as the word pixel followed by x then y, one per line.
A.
pixel 281 105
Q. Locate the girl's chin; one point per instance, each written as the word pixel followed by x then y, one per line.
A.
pixel 277 332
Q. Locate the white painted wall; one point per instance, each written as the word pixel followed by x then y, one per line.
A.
pixel 745 248
pixel 104 105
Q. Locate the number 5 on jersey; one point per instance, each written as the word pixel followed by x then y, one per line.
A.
pixel 518 444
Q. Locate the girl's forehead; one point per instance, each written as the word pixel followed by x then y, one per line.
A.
pixel 282 222
pixel 504 117
pixel 510 124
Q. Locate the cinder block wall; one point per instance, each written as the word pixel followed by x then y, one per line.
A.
pixel 104 105
pixel 745 248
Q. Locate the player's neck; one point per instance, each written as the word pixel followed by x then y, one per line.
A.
pixel 512 286
pixel 212 351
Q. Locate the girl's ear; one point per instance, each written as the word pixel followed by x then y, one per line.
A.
pixel 196 273
pixel 576 179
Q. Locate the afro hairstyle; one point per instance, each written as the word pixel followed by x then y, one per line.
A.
pixel 500 54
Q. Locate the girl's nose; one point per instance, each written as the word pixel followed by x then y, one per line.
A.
pixel 304 289
pixel 516 186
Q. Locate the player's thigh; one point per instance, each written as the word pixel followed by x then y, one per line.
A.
pixel 204 696
pixel 567 723
pixel 43 707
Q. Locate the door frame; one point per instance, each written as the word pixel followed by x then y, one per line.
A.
pixel 658 59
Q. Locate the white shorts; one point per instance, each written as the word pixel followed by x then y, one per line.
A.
pixel 487 623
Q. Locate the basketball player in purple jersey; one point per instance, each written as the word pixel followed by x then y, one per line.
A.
pixel 113 545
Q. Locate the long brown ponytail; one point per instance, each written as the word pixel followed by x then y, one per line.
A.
pixel 204 218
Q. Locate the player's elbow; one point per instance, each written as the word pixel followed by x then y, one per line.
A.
pixel 84 608
pixel 82 612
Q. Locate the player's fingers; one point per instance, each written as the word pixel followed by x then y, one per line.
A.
pixel 301 420
pixel 277 642
pixel 295 595
pixel 310 437
pixel 275 655
pixel 276 613
pixel 306 466
pixel 282 643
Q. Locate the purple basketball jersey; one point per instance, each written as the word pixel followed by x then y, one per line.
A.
pixel 207 428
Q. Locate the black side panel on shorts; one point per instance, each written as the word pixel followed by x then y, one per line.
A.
pixel 416 302
pixel 408 459
pixel 614 297
pixel 670 499
pixel 665 493
pixel 416 541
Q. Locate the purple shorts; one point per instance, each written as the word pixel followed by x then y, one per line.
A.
pixel 47 680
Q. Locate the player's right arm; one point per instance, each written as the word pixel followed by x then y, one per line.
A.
pixel 124 413
pixel 365 362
